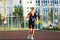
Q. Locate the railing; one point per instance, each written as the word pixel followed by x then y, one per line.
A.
pixel 17 23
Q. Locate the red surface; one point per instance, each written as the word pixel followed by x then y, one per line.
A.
pixel 22 35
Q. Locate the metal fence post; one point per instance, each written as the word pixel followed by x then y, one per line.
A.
pixel 24 23
pixel 16 20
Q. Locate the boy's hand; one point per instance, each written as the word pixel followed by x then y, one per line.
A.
pixel 27 17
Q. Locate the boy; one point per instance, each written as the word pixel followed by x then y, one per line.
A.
pixel 32 16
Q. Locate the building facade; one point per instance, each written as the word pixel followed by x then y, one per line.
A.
pixel 45 6
pixel 48 4
pixel 27 4
pixel 7 6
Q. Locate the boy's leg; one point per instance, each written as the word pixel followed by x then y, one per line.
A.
pixel 32 31
pixel 29 32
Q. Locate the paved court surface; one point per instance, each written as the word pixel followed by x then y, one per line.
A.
pixel 22 35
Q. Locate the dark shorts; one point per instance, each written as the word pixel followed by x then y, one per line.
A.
pixel 31 25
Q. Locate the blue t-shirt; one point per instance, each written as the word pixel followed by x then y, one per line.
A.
pixel 32 18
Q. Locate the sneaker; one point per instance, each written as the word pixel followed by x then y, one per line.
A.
pixel 32 38
pixel 29 37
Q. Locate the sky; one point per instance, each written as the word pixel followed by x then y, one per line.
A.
pixel 13 2
pixel 9 3
pixel 16 2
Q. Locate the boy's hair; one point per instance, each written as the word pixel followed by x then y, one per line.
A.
pixel 32 8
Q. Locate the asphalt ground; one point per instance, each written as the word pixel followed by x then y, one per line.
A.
pixel 22 35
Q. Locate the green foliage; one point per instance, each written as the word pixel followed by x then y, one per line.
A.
pixel 51 15
pixel 59 25
pixel 18 10
pixel 22 24
pixel 0 18
pixel 40 21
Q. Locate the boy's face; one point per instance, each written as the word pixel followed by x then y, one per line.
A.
pixel 32 10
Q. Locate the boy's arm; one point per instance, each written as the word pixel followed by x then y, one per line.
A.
pixel 27 16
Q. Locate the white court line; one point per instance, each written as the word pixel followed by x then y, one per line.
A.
pixel 36 29
pixel 51 30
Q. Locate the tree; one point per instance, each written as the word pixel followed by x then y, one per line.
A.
pixel 0 18
pixel 18 10
pixel 51 15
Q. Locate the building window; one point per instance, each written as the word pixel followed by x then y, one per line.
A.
pixel 48 1
pixel 27 2
pixel 42 1
pixel 20 2
pixel 27 11
pixel 45 1
pixel 38 4
pixel 38 1
pixel 27 7
pixel 30 7
pixel 56 2
pixel 51 2
pixel 30 1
